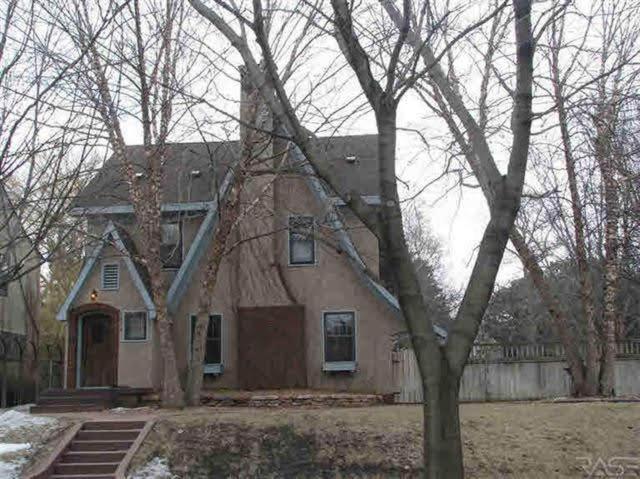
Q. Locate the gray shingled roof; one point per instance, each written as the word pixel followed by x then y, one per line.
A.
pixel 108 187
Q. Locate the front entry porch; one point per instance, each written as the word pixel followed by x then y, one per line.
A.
pixel 92 354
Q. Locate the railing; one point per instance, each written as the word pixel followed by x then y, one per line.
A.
pixel 495 352
pixel 17 386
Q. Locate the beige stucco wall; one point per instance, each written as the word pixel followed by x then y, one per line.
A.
pixel 330 284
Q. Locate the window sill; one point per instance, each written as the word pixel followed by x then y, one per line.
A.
pixel 215 369
pixel 338 366
pixel 302 265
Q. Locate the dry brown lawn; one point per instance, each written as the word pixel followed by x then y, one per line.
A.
pixel 514 440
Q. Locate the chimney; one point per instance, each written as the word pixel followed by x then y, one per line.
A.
pixel 248 95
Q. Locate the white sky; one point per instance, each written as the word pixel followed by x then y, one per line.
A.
pixel 457 214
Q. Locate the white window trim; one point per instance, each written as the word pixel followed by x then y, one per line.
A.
pixel 122 329
pixel 180 222
pixel 209 368
pixel 315 246
pixel 338 366
pixel 109 263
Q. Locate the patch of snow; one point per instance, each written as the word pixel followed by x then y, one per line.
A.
pixel 156 468
pixel 8 448
pixel 11 469
pixel 12 420
pixel 19 432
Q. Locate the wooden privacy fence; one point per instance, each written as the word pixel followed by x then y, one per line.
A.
pixel 17 386
pixel 516 372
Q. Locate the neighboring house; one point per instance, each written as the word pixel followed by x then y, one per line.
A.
pixel 297 307
pixel 19 287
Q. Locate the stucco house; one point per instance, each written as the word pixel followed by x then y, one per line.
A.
pixel 301 306
pixel 19 275
pixel 19 295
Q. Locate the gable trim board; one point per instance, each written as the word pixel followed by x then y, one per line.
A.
pixel 327 203
pixel 110 231
pixel 128 208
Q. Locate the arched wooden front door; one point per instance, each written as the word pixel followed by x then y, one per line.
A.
pixel 97 350
pixel 93 346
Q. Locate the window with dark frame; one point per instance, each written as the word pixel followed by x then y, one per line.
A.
pixel 171 247
pixel 135 326
pixel 213 344
pixel 339 336
pixel 302 245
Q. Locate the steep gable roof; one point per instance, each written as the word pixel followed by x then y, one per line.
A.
pixel 139 275
pixel 191 169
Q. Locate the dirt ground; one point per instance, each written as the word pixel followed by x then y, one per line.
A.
pixel 501 440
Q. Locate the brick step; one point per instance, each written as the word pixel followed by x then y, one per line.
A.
pixel 112 425
pixel 92 456
pixel 99 445
pixel 61 408
pixel 85 468
pixel 102 392
pixel 59 400
pixel 128 434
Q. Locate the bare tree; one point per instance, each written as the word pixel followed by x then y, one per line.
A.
pixel 136 71
pixel 440 365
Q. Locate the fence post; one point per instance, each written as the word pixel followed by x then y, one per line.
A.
pixel 3 372
pixel 3 385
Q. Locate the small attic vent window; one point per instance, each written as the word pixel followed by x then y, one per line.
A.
pixel 350 158
pixel 110 276
pixel 195 173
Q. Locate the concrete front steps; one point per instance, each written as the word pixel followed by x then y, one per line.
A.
pixel 97 450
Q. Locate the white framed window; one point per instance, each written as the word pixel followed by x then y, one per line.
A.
pixel 213 343
pixel 135 326
pixel 171 247
pixel 302 243
pixel 339 340
pixel 110 276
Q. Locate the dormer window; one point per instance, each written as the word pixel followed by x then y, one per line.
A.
pixel 171 248
pixel 302 245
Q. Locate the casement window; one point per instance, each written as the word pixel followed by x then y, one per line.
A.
pixel 110 276
pixel 171 248
pixel 302 245
pixel 339 332
pixel 134 326
pixel 213 343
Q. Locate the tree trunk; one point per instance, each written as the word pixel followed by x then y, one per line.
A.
pixel 558 315
pixel 605 155
pixel 441 433
pixel 584 271
pixel 172 393
pixel 442 441
pixel 229 213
